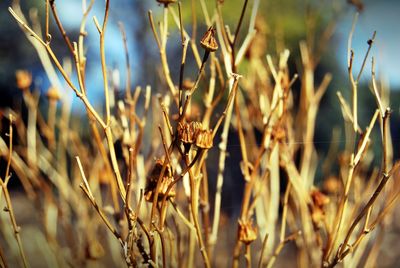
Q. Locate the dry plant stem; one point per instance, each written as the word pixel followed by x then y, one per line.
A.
pixel 209 95
pixel 51 122
pixel 15 227
pixel 232 44
pixel 373 254
pixel 227 115
pixel 161 46
pixel 245 160
pixel 182 216
pixel 3 262
pixel 184 50
pixel 284 211
pixel 280 247
pixel 354 160
pixel 350 39
pixel 104 155
pixel 47 35
pixel 82 34
pixel 103 64
pixel 40 50
pixel 166 120
pixel 224 36
pixel 247 256
pixel 385 116
pixel 347 114
pixel 192 241
pixel 375 89
pixel 60 26
pixel 162 240
pixel 210 109
pixel 193 45
pixel 251 34
pixel 193 89
pixel 194 21
pixel 388 207
pixel 370 43
pixel 9 207
pixel 10 150
pixel 385 177
pixel 128 94
pixel 31 102
pixel 249 180
pixel 130 216
pixel 78 70
pixel 264 246
pixel 105 126
pixel 354 82
pixel 205 13
pixel 354 91
pixel 194 201
pixel 114 162
pixel 159 180
pixel 141 123
pixel 129 180
pixel 385 137
pixel 205 208
pixel 60 68
pixel 257 194
pixel 177 178
pixel 86 189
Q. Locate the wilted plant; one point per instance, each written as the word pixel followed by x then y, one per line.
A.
pixel 175 226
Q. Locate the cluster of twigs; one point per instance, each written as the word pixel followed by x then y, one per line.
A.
pixel 155 201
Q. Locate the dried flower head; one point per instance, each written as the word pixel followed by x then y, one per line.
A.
pixel 166 180
pixel 247 232
pixel 208 41
pixel 279 133
pixel 319 200
pixel 204 139
pixel 187 132
pixel 24 79
pixel 53 94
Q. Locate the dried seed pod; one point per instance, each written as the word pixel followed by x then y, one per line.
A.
pixel 208 41
pixel 187 132
pixel 204 139
pixel 53 94
pixel 319 200
pixel 279 133
pixel 247 232
pixel 152 180
pixel 24 79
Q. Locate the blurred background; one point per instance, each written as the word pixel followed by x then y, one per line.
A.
pixel 283 23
